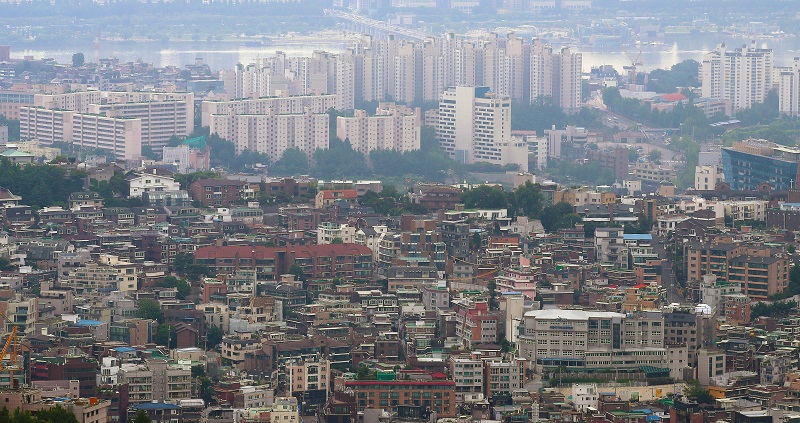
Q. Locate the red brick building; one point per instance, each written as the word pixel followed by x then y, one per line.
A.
pixel 317 261
pixel 218 192
pixel 438 396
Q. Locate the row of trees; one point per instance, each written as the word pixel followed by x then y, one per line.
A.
pixel 543 113
pixel 40 185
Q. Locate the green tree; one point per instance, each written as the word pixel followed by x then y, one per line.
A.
pixel 167 336
pixel 293 162
pixel 55 414
pixel 654 155
pixel 492 287
pixel 183 287
pixel 207 392
pixel 78 59
pixel 214 336
pixel 529 200
pixel 198 370
pixel 141 417
pixel 149 309
pixel 697 393
pixel 182 262
pixel 298 272
pixel 485 197
pixel 556 216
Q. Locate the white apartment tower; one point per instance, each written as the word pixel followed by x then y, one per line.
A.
pixel 741 77
pixel 789 89
pixel 555 75
pixel 475 126
pixel 394 127
pixel 567 78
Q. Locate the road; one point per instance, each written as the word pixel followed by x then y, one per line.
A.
pixel 667 275
pixel 534 384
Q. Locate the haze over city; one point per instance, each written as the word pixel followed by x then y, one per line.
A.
pixel 399 211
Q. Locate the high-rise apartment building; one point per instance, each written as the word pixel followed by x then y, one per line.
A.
pixel 394 127
pixel 475 126
pixel 120 136
pixel 272 134
pixel 415 71
pixel 262 106
pixel 741 77
pixel 789 89
pixel 120 122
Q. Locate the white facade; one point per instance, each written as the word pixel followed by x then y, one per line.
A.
pixel 789 89
pixel 120 136
pixel 592 339
pixel 706 178
pixel 146 182
pixel 555 75
pixel 329 231
pixel 392 128
pixel 161 115
pixel 285 105
pixel 746 210
pixel 272 134
pixel 475 126
pixel 741 77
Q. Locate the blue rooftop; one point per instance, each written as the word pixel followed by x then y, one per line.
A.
pixel 88 323
pixel 124 349
pixel 638 237
pixel 156 406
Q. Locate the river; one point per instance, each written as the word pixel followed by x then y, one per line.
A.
pixel 224 55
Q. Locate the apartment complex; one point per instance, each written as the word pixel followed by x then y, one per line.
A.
pixel 109 274
pixel 789 89
pixel 284 105
pixel 757 269
pixel 438 396
pixel 121 136
pixel 594 340
pixel 741 77
pixel 272 134
pixel 117 121
pixel 394 127
pixel 279 75
pixel 379 69
pixel 475 126
pixel 317 261
pixel 156 380
pixel 555 75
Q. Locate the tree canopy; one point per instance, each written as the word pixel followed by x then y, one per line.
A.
pixel 40 185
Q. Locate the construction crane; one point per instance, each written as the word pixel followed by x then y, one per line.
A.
pixel 635 62
pixel 13 366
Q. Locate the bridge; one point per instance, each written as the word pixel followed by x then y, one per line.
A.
pixel 376 27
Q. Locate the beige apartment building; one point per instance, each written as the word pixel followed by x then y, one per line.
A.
pixel 106 275
pixel 120 122
pixel 272 134
pixel 315 104
pixel 156 380
pixel 592 340
pixel 394 127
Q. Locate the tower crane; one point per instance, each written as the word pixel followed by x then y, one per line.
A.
pixel 13 366
pixel 635 62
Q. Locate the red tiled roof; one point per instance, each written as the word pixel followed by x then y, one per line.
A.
pixel 400 382
pixel 673 97
pixel 210 252
pixel 340 193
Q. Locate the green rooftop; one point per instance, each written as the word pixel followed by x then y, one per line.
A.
pixel 197 142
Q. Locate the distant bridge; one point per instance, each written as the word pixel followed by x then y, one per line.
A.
pixel 372 26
